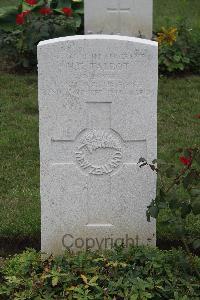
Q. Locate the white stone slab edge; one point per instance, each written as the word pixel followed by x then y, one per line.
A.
pixel 98 37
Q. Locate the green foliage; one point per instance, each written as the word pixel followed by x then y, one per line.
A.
pixel 172 60
pixel 18 43
pixel 194 53
pixel 8 13
pixel 181 56
pixel 21 45
pixel 179 193
pixel 135 273
pixel 76 5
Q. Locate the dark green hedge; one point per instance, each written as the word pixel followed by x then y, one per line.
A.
pixel 136 273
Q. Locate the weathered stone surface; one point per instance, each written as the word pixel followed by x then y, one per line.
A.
pixel 97 102
pixel 125 17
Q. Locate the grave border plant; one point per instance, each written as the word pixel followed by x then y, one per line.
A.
pixel 34 21
pixel 135 273
pixel 178 49
pixel 179 194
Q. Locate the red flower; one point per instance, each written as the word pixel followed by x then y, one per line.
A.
pixel 20 17
pixel 185 160
pixel 31 2
pixel 67 11
pixel 197 116
pixel 45 11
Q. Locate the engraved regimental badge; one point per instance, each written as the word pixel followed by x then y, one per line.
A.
pixel 99 152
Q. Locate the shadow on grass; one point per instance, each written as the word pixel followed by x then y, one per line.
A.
pixel 11 246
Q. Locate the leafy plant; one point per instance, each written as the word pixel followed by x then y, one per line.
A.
pixel 179 193
pixel 37 20
pixel 21 45
pixel 135 273
pixel 172 60
pixel 178 50
pixel 8 14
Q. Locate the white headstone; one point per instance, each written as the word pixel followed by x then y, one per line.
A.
pixel 125 17
pixel 97 102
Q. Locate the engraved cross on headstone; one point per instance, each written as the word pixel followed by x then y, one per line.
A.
pixel 118 11
pixel 99 153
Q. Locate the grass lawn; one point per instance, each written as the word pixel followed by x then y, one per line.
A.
pixel 179 101
pixel 168 13
pixel 19 167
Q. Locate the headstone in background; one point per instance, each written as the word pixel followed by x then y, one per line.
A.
pixel 124 17
pixel 97 102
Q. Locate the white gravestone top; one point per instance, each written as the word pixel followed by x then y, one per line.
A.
pixel 124 17
pixel 97 102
